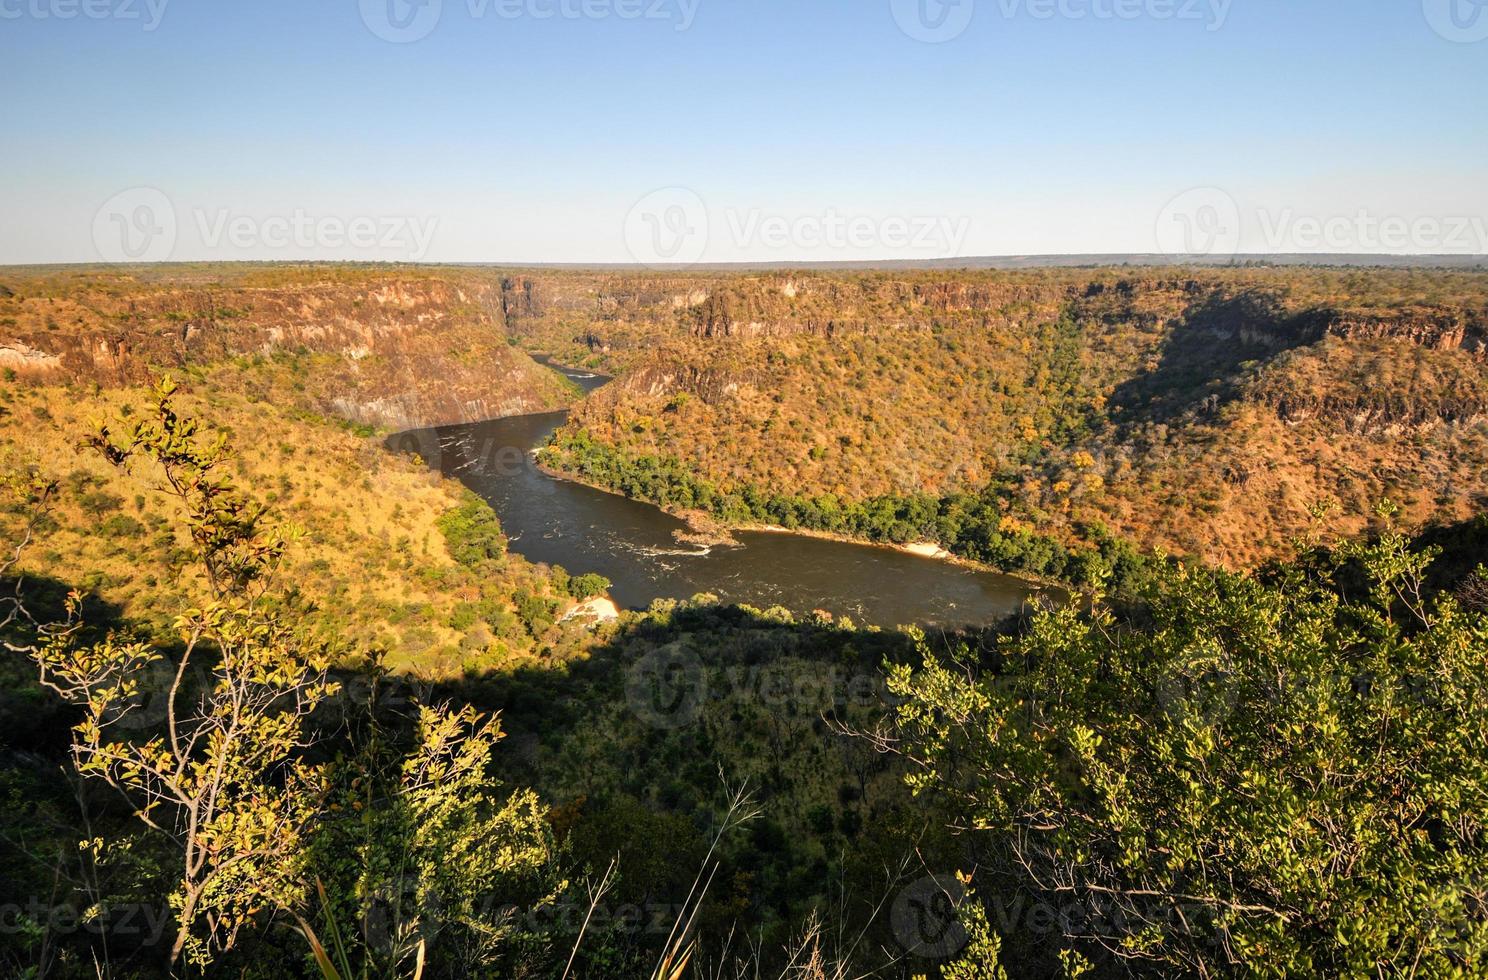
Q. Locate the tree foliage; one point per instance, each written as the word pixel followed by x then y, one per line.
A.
pixel 473 534
pixel 1264 778
pixel 213 745
pixel 974 526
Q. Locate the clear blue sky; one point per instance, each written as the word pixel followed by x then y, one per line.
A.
pixel 525 138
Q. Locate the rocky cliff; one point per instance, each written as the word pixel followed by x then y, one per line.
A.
pixel 398 349
pixel 1202 411
pixel 616 320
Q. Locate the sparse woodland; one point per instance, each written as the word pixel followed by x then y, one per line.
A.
pixel 279 703
pixel 1205 415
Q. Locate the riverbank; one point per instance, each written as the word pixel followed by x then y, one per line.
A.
pixel 707 530
pixel 601 609
pixel 649 552
pixel 926 550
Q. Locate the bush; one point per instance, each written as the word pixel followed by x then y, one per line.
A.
pixel 1268 778
pixel 588 585
pixel 472 533
pixel 121 526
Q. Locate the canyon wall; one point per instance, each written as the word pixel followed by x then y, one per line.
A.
pixel 397 349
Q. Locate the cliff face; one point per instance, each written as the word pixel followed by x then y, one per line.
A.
pixel 399 350
pixel 615 321
pixel 1203 412
pixel 1161 334
pixel 1423 326
pixel 670 374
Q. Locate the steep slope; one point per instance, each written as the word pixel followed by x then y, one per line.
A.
pixel 1200 412
pixel 397 348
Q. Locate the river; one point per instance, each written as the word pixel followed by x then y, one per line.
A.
pixel 633 544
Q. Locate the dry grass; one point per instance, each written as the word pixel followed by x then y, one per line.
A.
pixel 374 558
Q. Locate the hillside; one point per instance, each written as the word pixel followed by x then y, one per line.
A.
pixel 394 348
pixel 1202 412
pixel 1002 413
pixel 378 557
pixel 306 368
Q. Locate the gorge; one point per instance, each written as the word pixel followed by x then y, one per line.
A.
pixel 636 545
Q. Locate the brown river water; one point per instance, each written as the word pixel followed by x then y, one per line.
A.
pixel 633 545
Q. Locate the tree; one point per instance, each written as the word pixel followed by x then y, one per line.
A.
pixel 216 759
pixel 224 778
pixel 423 859
pixel 588 585
pixel 30 496
pixel 472 533
pixel 1269 777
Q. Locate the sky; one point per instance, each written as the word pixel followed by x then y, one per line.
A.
pixel 678 131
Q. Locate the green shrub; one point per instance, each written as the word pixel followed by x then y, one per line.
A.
pixel 588 585
pixel 1269 778
pixel 472 533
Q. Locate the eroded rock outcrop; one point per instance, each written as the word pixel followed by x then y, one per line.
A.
pixel 392 350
